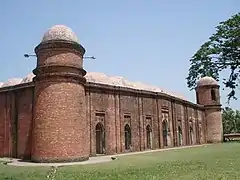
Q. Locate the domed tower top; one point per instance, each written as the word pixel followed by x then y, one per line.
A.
pixel 60 32
pixel 207 81
pixel 207 91
pixel 57 41
pixel 208 95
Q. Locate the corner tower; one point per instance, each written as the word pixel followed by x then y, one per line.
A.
pixel 59 117
pixel 207 92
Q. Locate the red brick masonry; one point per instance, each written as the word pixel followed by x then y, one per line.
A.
pixel 55 117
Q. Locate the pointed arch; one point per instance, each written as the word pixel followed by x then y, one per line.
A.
pixel 149 137
pixel 128 137
pixel 165 132
pixel 100 138
pixel 200 132
pixel 191 134
pixel 180 135
pixel 213 95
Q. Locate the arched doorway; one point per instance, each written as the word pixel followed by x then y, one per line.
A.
pixel 149 137
pixel 191 135
pixel 165 133
pixel 213 95
pixel 128 137
pixel 180 135
pixel 100 139
pixel 200 133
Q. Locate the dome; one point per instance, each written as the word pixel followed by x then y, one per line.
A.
pixel 28 78
pixel 12 82
pixel 60 32
pixel 205 81
pixel 122 82
pixel 101 78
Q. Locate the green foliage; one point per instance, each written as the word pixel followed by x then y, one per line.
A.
pixel 220 52
pixel 231 121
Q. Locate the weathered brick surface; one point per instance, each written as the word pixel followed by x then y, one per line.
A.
pixel 204 95
pixel 214 125
pixel 8 124
pixel 59 125
pixel 2 123
pixel 24 122
pixel 213 117
pixel 55 118
pixel 60 130
pixel 59 122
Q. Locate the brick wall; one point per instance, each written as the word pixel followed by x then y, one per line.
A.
pixel 59 126
pixel 3 129
pixel 114 109
pixel 15 123
pixel 24 122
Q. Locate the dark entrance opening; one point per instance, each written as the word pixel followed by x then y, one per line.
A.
pixel 179 135
pixel 128 137
pixel 100 139
pixel 149 137
pixel 165 133
pixel 191 135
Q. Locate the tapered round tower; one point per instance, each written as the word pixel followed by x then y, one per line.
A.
pixel 207 92
pixel 59 117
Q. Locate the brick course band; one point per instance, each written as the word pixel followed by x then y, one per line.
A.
pixel 58 68
pixel 65 77
pixel 48 45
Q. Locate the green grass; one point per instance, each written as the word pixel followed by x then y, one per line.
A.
pixel 218 162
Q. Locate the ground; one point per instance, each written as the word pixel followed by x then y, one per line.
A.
pixel 218 162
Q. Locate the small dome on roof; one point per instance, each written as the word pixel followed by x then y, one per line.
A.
pixel 28 78
pixel 12 82
pixel 60 32
pixel 207 80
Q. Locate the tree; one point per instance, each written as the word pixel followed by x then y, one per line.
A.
pixel 220 52
pixel 231 120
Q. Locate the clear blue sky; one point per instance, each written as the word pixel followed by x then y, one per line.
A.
pixel 142 40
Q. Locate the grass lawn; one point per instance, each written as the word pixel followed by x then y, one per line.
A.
pixel 218 162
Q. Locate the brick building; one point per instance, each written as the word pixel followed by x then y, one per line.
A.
pixel 57 115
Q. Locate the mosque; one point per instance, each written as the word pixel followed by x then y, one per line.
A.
pixel 61 113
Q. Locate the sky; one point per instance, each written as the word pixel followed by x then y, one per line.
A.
pixel 150 41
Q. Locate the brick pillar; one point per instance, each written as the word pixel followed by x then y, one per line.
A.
pixel 208 94
pixel 160 119
pixel 155 125
pixel 110 125
pixel 60 132
pixel 141 125
pixel 88 117
pixel 118 124
pixel 170 123
pixel 183 117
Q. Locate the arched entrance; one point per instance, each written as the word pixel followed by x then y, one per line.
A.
pixel 100 139
pixel 180 135
pixel 200 133
pixel 149 137
pixel 191 135
pixel 165 133
pixel 128 137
